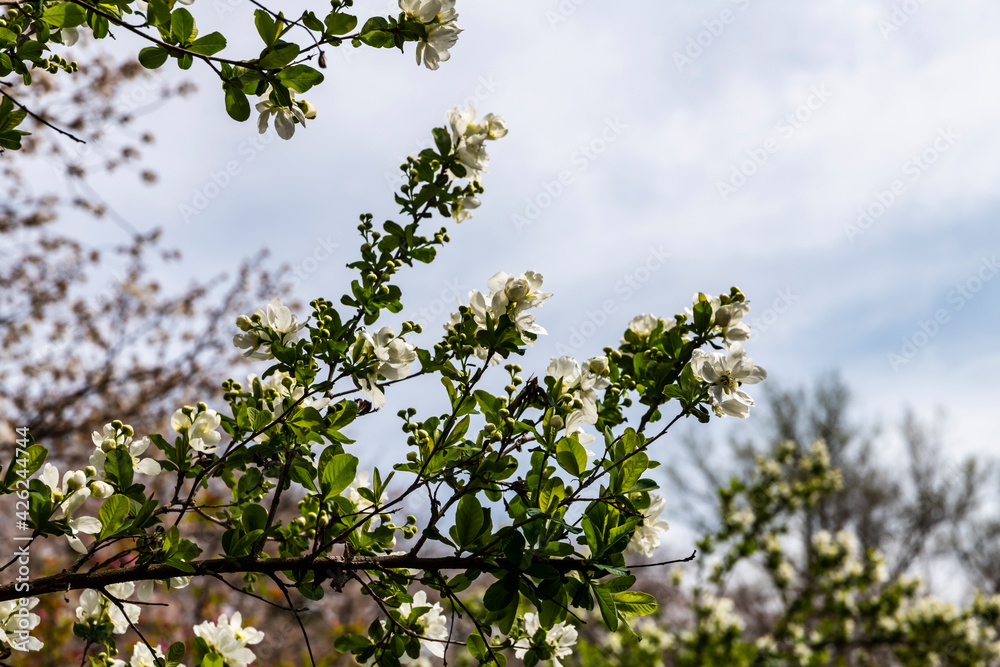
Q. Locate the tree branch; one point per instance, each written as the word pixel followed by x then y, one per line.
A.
pixel 40 119
pixel 67 581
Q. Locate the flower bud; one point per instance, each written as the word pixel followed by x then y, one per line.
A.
pixel 308 109
pixel 75 480
pixel 599 365
pixel 723 316
pixel 100 490
pixel 556 423
pixel 243 323
pixel 517 289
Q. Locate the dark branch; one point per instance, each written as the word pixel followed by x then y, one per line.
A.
pixel 68 581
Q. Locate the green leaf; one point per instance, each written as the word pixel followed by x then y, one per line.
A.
pixel 571 456
pixel 112 514
pixel 631 470
pixel 552 493
pixel 502 593
pixel 182 25
pixel 340 24
pixel 209 44
pixel 267 28
pixel 300 78
pixel 303 473
pixel 635 603
pixel 259 419
pixel 595 538
pixel 28 463
pixel 153 57
pixel 118 467
pixel 175 654
pixel 158 12
pixel 237 104
pixel 7 37
pixel 442 140
pixel 608 610
pixel 31 50
pixel 468 521
pixel 702 315
pixel 279 56
pixel 477 647
pixel 310 21
pixel 350 643
pixel 618 584
pixel 378 39
pixel 338 474
pixel 254 518
pixel 65 15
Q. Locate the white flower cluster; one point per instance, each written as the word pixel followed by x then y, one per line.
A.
pixel 141 657
pixel 432 625
pixel 440 24
pixel 78 485
pixel 643 325
pixel 470 136
pixel 581 384
pixel 717 616
pixel 200 425
pixel 728 319
pixel 287 388
pixel 646 538
pixel 285 117
pixel 509 295
pixel 262 328
pixel 726 373
pixel 229 639
pixel 559 640
pixel 70 496
pixel 16 624
pixel 114 436
pixel 392 355
pixel 96 609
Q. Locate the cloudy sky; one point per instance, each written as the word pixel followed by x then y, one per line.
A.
pixel 836 161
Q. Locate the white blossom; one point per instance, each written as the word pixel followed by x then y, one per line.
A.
pixel 439 19
pixel 461 209
pixel 141 657
pixel 16 622
pixel 95 607
pixel 107 442
pixel 646 538
pixel 256 344
pixel 432 625
pixel 285 117
pixel 201 432
pixel 582 384
pixel 394 356
pixel 726 374
pixel 470 136
pixel 560 639
pixel 229 639
pixel 69 497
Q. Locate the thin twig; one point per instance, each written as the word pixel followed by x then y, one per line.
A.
pixel 40 119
